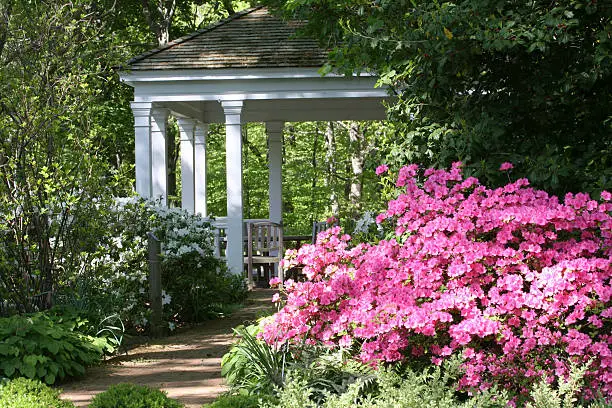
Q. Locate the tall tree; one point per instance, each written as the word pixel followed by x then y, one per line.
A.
pixel 159 15
pixel 485 81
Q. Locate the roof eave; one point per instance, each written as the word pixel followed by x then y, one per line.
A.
pixel 226 74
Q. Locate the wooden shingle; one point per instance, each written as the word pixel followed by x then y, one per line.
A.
pixel 250 39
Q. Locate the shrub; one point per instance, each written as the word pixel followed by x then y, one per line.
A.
pixel 196 285
pixel 235 401
pixel 133 396
pixel 26 393
pixel 513 279
pixel 38 346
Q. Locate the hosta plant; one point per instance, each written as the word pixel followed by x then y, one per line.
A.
pixel 41 347
pixel 515 280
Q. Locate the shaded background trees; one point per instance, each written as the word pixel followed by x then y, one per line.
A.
pixel 485 81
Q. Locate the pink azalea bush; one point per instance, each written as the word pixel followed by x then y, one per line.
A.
pixel 516 281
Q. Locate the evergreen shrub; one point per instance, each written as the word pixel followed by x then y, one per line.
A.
pixel 235 401
pixel 133 396
pixel 26 393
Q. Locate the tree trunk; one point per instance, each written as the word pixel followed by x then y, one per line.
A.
pixel 227 4
pixel 159 14
pixel 358 149
pixel 314 161
pixel 172 150
pixel 330 156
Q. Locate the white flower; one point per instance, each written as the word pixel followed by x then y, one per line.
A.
pixel 166 298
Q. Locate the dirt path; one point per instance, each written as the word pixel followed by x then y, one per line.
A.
pixel 186 365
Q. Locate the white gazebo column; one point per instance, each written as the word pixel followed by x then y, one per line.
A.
pixel 142 131
pixel 200 133
pixel 233 151
pixel 275 176
pixel 159 155
pixel 186 128
pixel 275 179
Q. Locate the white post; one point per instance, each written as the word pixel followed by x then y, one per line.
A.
pixel 142 131
pixel 159 155
pixel 201 131
pixel 275 179
pixel 186 127
pixel 233 151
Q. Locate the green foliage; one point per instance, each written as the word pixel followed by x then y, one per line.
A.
pixel 133 396
pixel 55 180
pixel 253 365
pixel 327 371
pixel 543 395
pixel 114 287
pixel 26 393
pixel 308 180
pixel 46 348
pixel 235 401
pixel 484 81
pixel 430 388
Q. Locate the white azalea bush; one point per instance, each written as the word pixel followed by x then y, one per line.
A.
pixel 196 285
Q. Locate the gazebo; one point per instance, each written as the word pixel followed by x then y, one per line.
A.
pixel 250 67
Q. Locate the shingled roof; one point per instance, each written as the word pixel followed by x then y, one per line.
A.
pixel 253 38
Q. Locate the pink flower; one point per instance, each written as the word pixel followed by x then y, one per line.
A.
pixel 275 281
pixel 276 298
pixel 506 166
pixel 511 276
pixel 383 168
pixel 606 195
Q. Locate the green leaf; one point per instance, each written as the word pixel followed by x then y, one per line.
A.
pixel 9 366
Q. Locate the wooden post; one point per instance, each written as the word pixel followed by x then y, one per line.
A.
pixel 155 288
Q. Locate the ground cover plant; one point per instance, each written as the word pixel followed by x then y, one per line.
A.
pixel 514 280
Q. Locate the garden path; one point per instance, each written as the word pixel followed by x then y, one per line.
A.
pixel 186 365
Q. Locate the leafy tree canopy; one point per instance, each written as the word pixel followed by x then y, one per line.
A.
pixel 484 81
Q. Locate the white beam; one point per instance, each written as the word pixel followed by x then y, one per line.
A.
pixel 159 155
pixel 142 132
pixel 233 149
pixel 186 128
pixel 275 179
pixel 200 168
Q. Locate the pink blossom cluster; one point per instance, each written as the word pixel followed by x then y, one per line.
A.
pixel 512 278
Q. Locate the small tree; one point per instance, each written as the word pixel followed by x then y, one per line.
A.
pixel 52 182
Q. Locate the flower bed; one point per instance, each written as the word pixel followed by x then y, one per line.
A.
pixel 515 280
